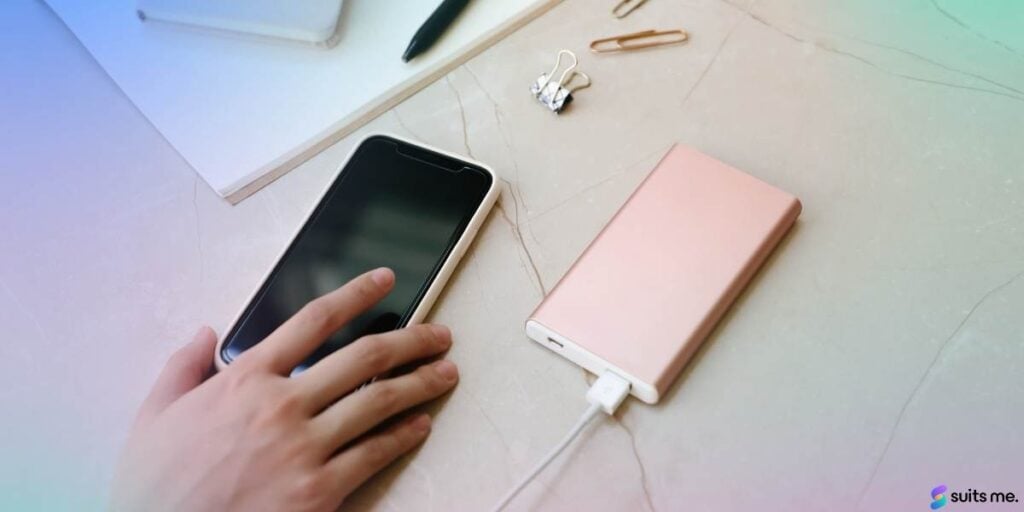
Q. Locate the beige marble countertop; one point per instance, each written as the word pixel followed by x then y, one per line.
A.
pixel 878 354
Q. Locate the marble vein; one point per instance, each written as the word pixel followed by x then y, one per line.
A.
pixel 487 417
pixel 625 169
pixel 401 122
pixel 494 103
pixel 854 56
pixel 518 234
pixel 513 221
pixel 498 114
pixel 916 56
pixel 462 115
pixel 924 377
pixel 970 29
pixel 718 51
pixel 639 463
pixel 871 64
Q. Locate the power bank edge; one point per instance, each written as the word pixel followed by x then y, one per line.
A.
pixel 650 392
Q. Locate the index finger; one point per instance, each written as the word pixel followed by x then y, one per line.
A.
pixel 304 332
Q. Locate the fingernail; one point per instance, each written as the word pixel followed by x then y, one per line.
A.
pixel 447 370
pixel 421 423
pixel 444 336
pixel 383 276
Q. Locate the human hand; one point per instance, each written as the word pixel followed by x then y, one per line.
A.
pixel 251 438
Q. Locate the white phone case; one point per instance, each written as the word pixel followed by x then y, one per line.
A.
pixel 446 269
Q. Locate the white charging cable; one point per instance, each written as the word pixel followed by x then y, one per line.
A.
pixel 606 394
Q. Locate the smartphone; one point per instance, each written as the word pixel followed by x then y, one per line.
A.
pixel 653 284
pixel 393 203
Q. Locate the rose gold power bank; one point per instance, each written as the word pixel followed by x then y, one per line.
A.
pixel 652 285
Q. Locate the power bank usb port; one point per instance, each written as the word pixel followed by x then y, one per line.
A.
pixel 555 342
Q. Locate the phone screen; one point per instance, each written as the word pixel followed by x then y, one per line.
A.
pixel 393 205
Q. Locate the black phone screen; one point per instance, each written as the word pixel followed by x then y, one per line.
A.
pixel 393 205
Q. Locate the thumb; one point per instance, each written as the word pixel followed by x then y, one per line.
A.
pixel 186 369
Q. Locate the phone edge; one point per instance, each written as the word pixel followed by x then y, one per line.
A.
pixel 447 269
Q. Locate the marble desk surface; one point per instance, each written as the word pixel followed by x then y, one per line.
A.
pixel 878 354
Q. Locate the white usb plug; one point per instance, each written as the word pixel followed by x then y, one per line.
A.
pixel 608 391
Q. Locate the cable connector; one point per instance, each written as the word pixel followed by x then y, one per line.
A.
pixel 608 391
pixel 606 394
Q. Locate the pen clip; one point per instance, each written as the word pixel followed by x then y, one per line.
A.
pixel 628 42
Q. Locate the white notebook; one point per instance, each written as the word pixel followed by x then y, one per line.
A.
pixel 308 21
pixel 243 111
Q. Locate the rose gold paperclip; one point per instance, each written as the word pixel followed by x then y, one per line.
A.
pixel 627 42
pixel 625 7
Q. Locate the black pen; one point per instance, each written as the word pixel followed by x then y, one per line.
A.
pixel 432 29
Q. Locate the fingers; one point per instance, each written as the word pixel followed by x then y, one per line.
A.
pixel 359 412
pixel 186 369
pixel 304 332
pixel 341 372
pixel 355 465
